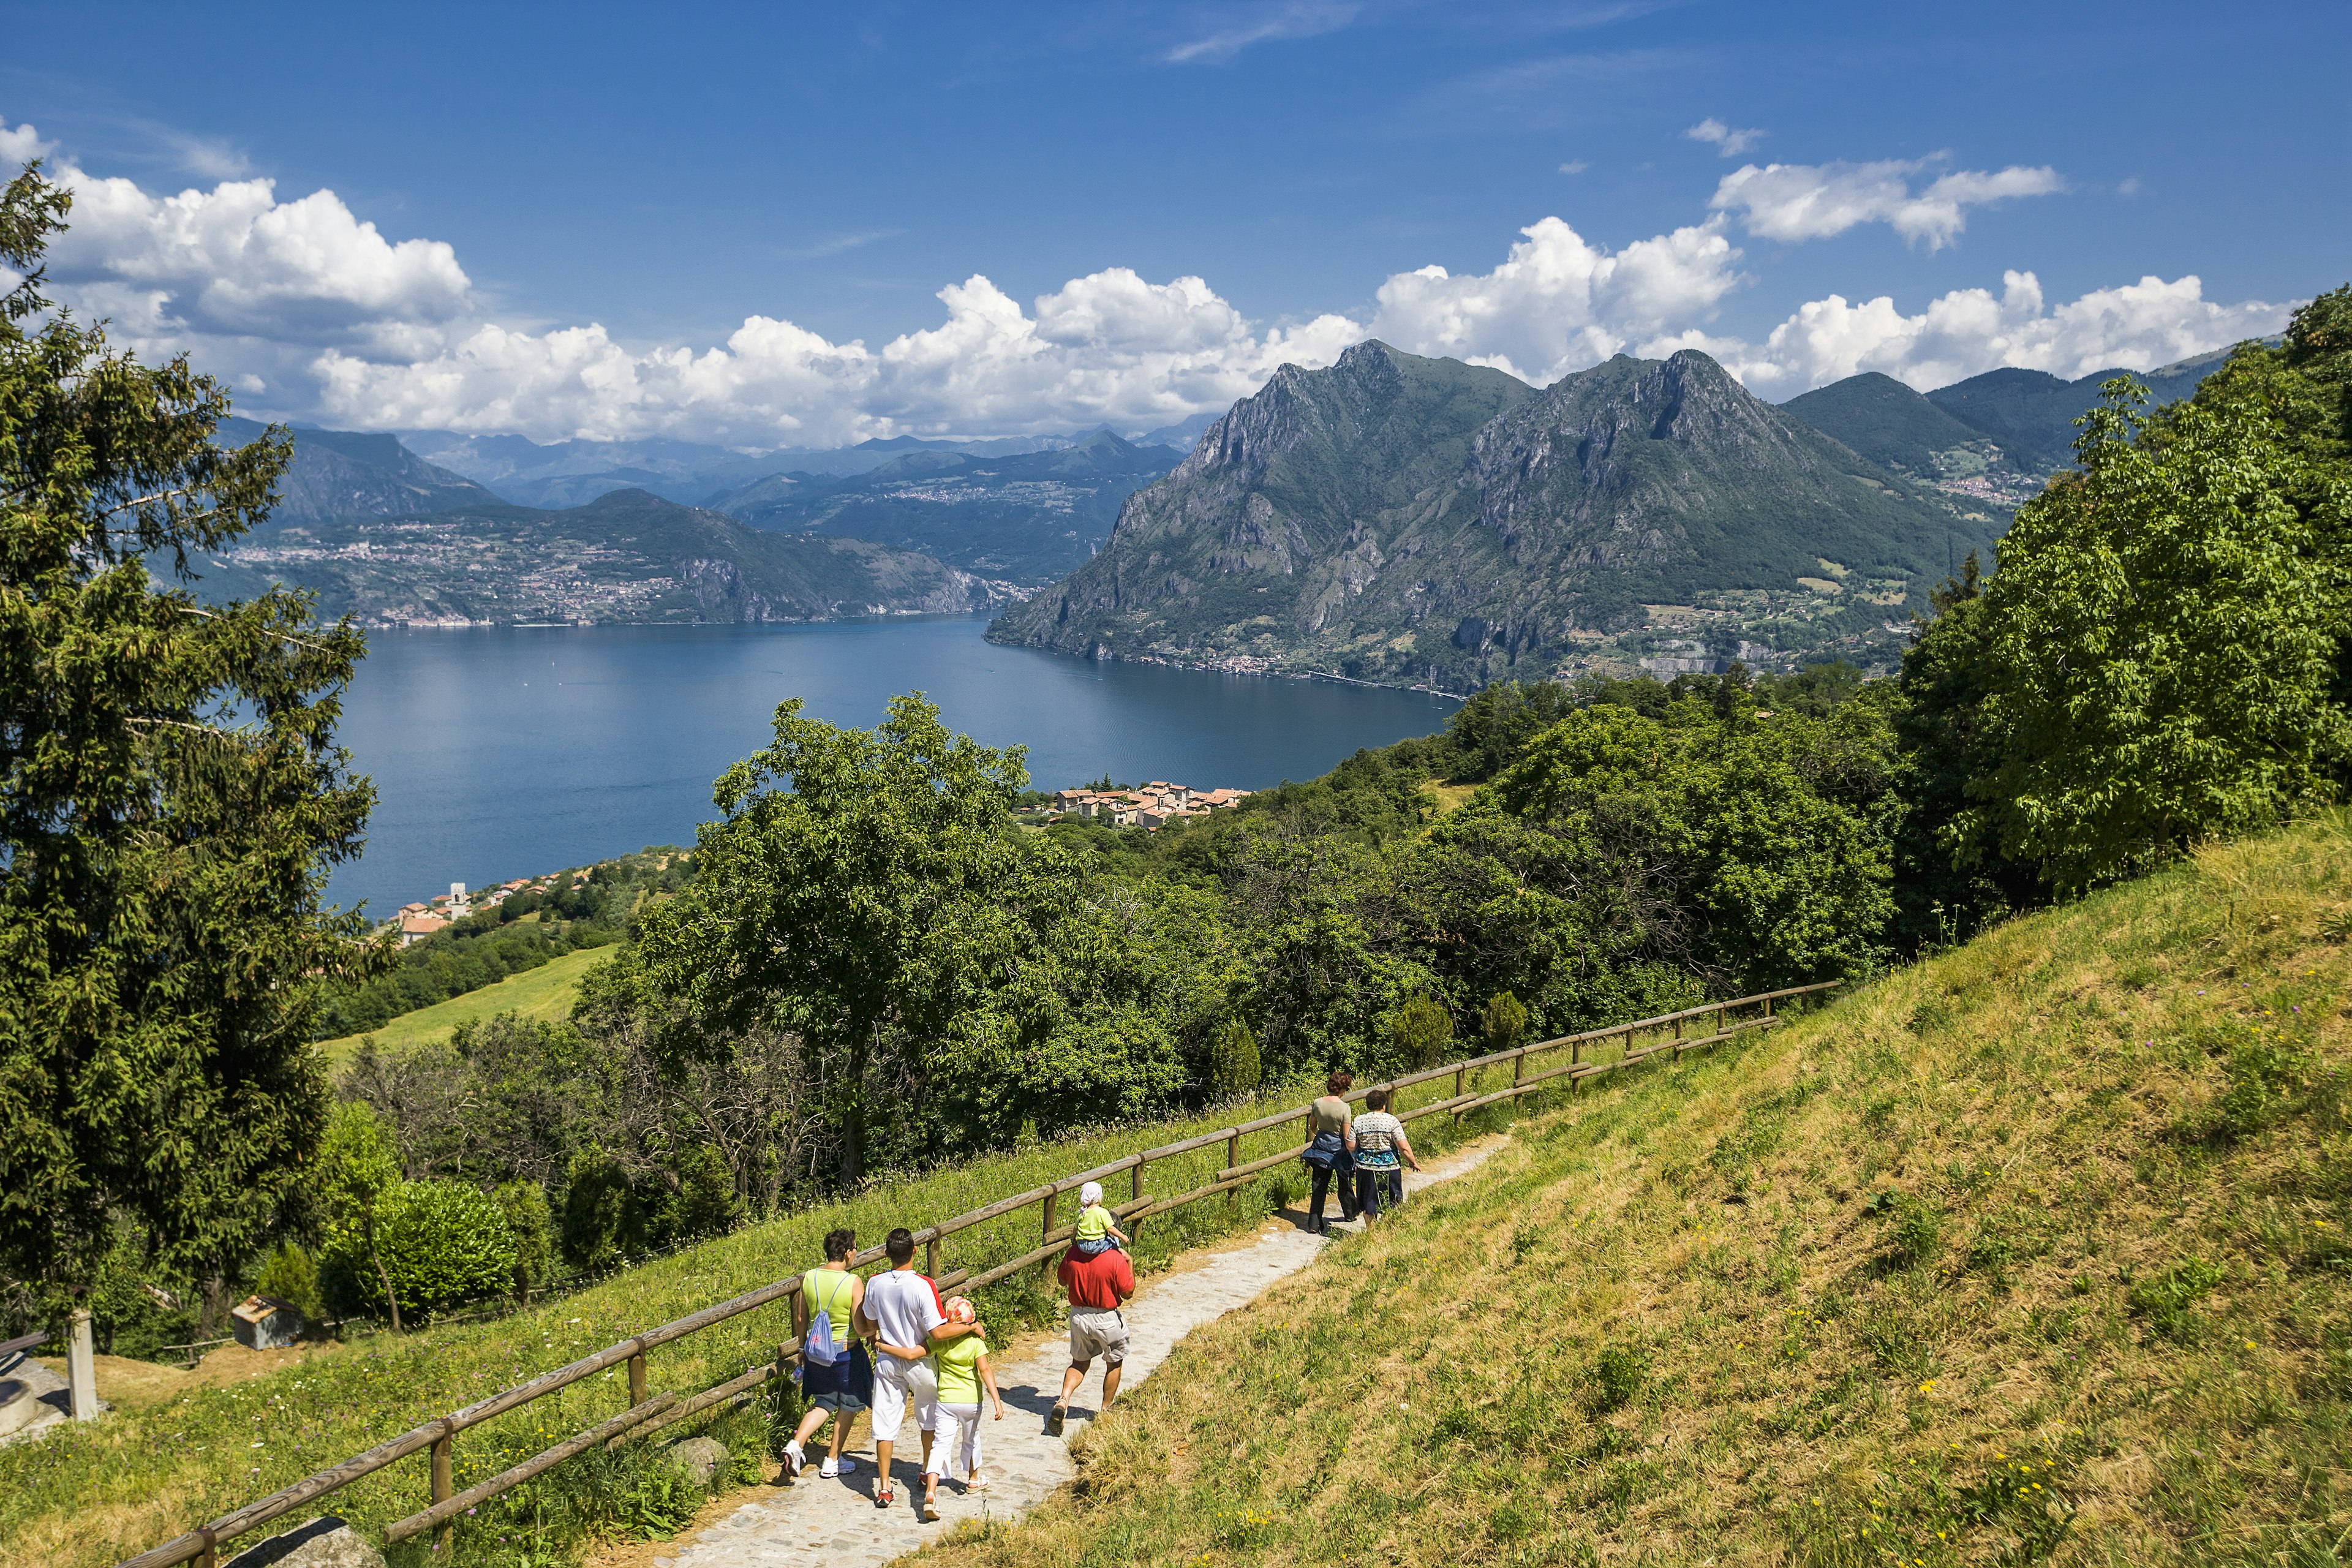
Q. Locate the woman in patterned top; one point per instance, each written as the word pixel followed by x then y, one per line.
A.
pixel 1380 1144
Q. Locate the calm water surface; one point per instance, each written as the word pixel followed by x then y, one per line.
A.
pixel 508 752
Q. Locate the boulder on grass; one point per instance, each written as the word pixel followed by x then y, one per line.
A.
pixel 704 1458
pixel 322 1542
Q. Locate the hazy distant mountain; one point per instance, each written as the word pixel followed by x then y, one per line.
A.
pixel 344 473
pixel 1184 435
pixel 628 556
pixel 1395 518
pixel 570 473
pixel 1028 518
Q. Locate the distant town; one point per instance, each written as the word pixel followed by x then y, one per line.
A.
pixel 1152 805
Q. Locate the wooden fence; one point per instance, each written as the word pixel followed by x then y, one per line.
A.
pixel 1589 1056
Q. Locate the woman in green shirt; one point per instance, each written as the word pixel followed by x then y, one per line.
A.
pixel 842 1387
pixel 963 1371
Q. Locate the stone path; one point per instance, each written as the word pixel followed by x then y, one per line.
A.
pixel 834 1522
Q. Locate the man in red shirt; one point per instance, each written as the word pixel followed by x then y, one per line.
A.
pixel 1095 1285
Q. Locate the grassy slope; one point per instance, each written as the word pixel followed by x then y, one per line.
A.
pixel 546 992
pixel 2126 1337
pixel 89 1497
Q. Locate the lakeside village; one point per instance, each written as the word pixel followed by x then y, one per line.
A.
pixel 442 911
pixel 1146 805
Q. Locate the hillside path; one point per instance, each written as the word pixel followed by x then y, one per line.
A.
pixel 831 1523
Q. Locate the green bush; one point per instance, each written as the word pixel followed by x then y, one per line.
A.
pixel 292 1277
pixel 1617 1374
pixel 1502 1021
pixel 1420 1033
pixel 441 1242
pixel 533 1225
pixel 1234 1066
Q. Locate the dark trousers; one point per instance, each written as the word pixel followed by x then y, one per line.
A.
pixel 1378 1190
pixel 1320 1186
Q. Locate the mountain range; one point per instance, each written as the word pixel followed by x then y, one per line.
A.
pixel 1400 518
pixel 1390 518
pixel 1029 518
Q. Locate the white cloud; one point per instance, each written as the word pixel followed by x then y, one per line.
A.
pixel 1969 330
pixel 1728 143
pixel 1577 167
pixel 310 311
pixel 235 261
pixel 1813 201
pixel 1237 30
pixel 1558 302
pixel 23 143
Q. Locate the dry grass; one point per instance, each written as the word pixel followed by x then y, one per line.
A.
pixel 1450 796
pixel 2031 1252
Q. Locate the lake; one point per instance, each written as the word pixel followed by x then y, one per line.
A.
pixel 507 752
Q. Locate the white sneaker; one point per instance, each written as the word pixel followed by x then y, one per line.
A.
pixel 831 1467
pixel 794 1460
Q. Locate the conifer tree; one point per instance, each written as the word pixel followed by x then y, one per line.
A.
pixel 170 799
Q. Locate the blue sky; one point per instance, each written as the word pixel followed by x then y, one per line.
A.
pixel 670 174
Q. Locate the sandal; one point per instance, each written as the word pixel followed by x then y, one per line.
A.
pixel 1054 1418
pixel 885 1498
pixel 977 1484
pixel 931 1510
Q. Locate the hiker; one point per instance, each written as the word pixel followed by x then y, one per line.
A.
pixel 903 1312
pixel 964 1370
pixel 1097 1287
pixel 1330 1153
pixel 1379 1143
pixel 1095 1231
pixel 836 1374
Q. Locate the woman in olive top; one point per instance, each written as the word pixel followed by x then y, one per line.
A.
pixel 842 1387
pixel 1329 1156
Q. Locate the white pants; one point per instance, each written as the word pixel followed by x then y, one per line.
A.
pixel 897 1383
pixel 959 1433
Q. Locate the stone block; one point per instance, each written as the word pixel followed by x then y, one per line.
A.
pixel 325 1541
pixel 704 1458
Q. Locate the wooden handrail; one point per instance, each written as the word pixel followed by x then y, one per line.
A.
pixel 663 1409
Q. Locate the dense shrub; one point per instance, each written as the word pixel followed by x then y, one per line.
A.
pixel 441 1243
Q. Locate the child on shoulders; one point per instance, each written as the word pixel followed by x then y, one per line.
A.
pixel 1096 1233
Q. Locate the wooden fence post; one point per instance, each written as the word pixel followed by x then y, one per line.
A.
pixel 1232 1158
pixel 443 1484
pixel 636 1381
pixel 1052 1199
pixel 1135 1191
pixel 1767 1006
pixel 931 1257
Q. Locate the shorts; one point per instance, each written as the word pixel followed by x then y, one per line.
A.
pixel 1097 1332
pixel 959 1441
pixel 844 1387
pixel 897 1383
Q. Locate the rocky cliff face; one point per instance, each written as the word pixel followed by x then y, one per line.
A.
pixel 1395 518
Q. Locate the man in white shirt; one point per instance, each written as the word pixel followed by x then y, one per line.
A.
pixel 902 1311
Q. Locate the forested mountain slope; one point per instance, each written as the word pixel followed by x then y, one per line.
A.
pixel 2034 1251
pixel 1398 518
pixel 628 556
pixel 351 473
